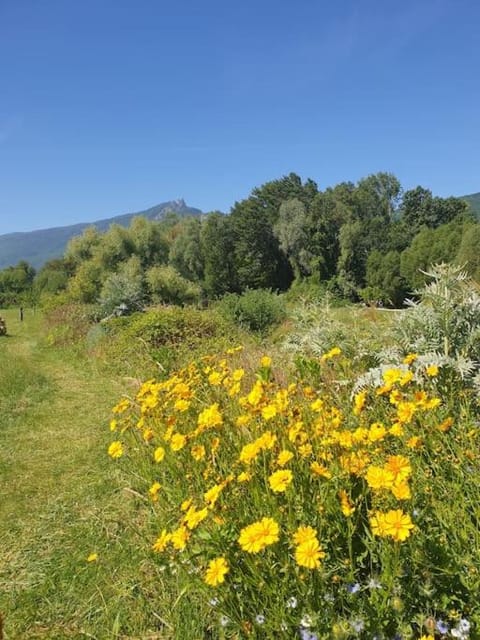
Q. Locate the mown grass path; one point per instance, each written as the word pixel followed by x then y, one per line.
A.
pixel 61 497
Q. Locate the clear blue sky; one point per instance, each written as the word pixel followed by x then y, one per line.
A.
pixel 111 106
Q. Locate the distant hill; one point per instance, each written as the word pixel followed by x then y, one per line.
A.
pixel 39 246
pixel 474 202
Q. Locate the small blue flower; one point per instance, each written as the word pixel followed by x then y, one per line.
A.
pixel 442 627
pixel 354 588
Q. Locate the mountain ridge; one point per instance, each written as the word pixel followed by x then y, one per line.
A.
pixel 41 245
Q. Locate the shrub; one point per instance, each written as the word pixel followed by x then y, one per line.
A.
pixel 255 309
pixel 163 336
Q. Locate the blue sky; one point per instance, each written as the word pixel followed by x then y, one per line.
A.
pixel 111 106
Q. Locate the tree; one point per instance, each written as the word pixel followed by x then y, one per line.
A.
pixel 218 249
pixel 186 253
pixel 149 242
pixel 292 235
pixel 259 262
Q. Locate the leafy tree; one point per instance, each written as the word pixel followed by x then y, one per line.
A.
pixel 292 234
pixel 430 246
pixel 115 247
pixel 166 285
pixel 259 262
pixel 186 253
pixel 218 249
pixel 468 254
pixel 149 242
pixel 54 276
pixel 81 248
pixel 384 280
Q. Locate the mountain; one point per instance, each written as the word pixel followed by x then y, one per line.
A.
pixel 474 201
pixel 36 247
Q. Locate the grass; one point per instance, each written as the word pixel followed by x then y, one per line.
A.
pixel 62 499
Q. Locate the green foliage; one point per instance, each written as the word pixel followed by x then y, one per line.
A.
pixel 218 250
pixel 429 246
pixel 163 337
pixel 123 291
pixel 384 281
pixel 166 285
pixel 186 254
pixel 255 309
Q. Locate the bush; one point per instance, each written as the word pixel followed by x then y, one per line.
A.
pixel 255 309
pixel 163 337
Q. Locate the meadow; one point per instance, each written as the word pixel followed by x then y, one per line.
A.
pixel 172 475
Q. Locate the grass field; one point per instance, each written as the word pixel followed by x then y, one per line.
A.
pixel 60 500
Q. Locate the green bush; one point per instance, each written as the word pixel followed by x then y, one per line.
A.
pixel 163 336
pixel 255 309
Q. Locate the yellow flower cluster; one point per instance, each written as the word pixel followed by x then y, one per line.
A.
pixel 219 440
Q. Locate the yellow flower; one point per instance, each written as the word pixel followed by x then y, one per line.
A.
pixel 159 454
pixel 401 491
pixel 304 534
pixel 181 404
pixel 249 452
pixel 335 351
pixel 215 378
pixel 266 361
pixel 198 452
pixel 113 425
pixel 432 370
pixel 255 394
pixel 93 557
pixel 376 432
pixel 121 406
pixel 177 441
pixel 405 411
pixel 391 376
pixel 308 554
pixel 153 491
pixel 269 412
pixel 415 442
pixel 216 572
pixel 186 504
pixel 399 466
pixel 211 496
pixel 445 425
pixel 409 358
pixel 210 417
pixel 379 477
pixel 377 524
pixel 243 477
pixel 279 480
pixel 320 470
pixel 179 538
pixel 161 542
pixel 406 378
pixel 267 440
pixel 238 374
pixel 115 450
pixel 359 402
pixel 398 525
pixel 193 517
pixel 255 537
pixel 346 505
pixel 284 457
pixel 243 420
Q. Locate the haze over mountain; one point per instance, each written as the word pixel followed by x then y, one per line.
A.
pixel 36 247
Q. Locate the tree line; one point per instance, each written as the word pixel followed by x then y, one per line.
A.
pixel 367 241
